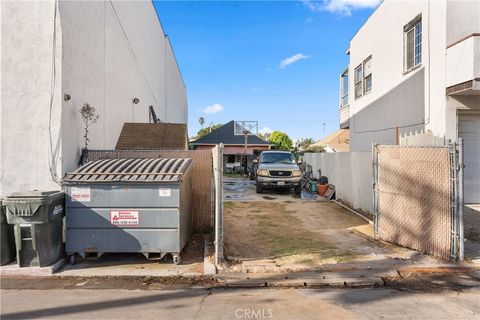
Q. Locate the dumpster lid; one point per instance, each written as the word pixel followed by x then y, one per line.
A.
pixel 34 194
pixel 131 170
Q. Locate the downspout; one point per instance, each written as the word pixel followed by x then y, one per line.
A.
pixel 165 77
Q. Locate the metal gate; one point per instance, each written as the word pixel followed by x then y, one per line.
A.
pixel 418 197
pixel 217 153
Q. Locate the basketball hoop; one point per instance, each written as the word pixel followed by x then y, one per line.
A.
pixel 245 129
pixel 242 128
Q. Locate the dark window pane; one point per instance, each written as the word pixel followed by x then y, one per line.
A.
pixel 358 90
pixel 358 74
pixel 418 28
pixel 410 48
pixel 368 83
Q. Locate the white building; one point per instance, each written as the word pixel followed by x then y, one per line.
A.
pixel 58 55
pixel 416 66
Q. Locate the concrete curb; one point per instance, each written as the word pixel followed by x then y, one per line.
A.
pixel 14 270
pixel 302 280
pixel 341 277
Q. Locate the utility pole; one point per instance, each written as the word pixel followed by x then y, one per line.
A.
pixel 245 134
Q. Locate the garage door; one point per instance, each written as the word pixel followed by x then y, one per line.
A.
pixel 469 130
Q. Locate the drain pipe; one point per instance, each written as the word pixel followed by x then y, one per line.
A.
pixel 461 249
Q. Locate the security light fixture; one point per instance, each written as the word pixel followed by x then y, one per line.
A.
pixel 136 100
pixel 67 97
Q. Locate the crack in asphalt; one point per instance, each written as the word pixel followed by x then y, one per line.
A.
pixel 201 303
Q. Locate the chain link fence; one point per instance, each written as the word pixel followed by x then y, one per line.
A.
pixel 417 198
pixel 202 179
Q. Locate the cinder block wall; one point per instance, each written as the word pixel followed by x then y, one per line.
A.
pixel 350 172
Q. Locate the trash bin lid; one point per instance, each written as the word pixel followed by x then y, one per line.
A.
pixel 35 194
pixel 131 170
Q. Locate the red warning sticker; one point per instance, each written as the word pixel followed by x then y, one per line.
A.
pixel 80 194
pixel 124 218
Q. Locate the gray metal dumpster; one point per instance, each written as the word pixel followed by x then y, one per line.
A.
pixel 129 205
pixel 7 250
pixel 37 217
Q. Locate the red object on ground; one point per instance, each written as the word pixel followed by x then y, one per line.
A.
pixel 322 189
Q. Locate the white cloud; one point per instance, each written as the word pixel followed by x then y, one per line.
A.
pixel 265 130
pixel 288 61
pixel 344 7
pixel 214 108
pixel 308 20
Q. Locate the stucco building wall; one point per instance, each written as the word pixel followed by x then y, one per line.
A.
pixel 30 114
pixel 107 53
pixel 442 23
pixel 350 172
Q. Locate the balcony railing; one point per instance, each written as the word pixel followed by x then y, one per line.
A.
pixel 463 60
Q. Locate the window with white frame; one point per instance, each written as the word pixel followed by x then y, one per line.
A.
pixel 413 44
pixel 367 75
pixel 344 88
pixel 358 79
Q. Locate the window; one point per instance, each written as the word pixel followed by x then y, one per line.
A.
pixel 367 75
pixel 344 88
pixel 413 44
pixel 277 157
pixel 358 77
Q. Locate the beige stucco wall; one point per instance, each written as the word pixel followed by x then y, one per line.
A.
pixel 350 172
pixel 108 52
pixel 26 80
pixel 462 19
pixel 382 37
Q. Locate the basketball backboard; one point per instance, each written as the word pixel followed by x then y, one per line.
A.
pixel 242 128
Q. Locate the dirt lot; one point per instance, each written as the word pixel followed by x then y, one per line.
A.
pixel 277 231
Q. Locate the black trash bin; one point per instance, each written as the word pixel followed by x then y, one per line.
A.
pixel 7 243
pixel 37 217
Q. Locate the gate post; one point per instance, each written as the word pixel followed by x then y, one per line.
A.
pixel 375 189
pixel 218 175
pixel 461 247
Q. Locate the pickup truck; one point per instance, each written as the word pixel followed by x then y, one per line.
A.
pixel 278 170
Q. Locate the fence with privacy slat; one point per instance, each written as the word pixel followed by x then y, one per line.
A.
pixel 416 201
pixel 202 178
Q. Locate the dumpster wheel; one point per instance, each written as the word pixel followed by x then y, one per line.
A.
pixel 71 259
pixel 176 258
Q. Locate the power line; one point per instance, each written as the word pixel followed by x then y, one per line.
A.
pixel 137 63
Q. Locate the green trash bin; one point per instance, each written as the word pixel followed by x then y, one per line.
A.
pixel 38 226
pixel 7 243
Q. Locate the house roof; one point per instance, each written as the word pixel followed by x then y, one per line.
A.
pixel 226 135
pixel 338 141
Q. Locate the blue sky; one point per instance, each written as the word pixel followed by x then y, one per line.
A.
pixel 230 55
